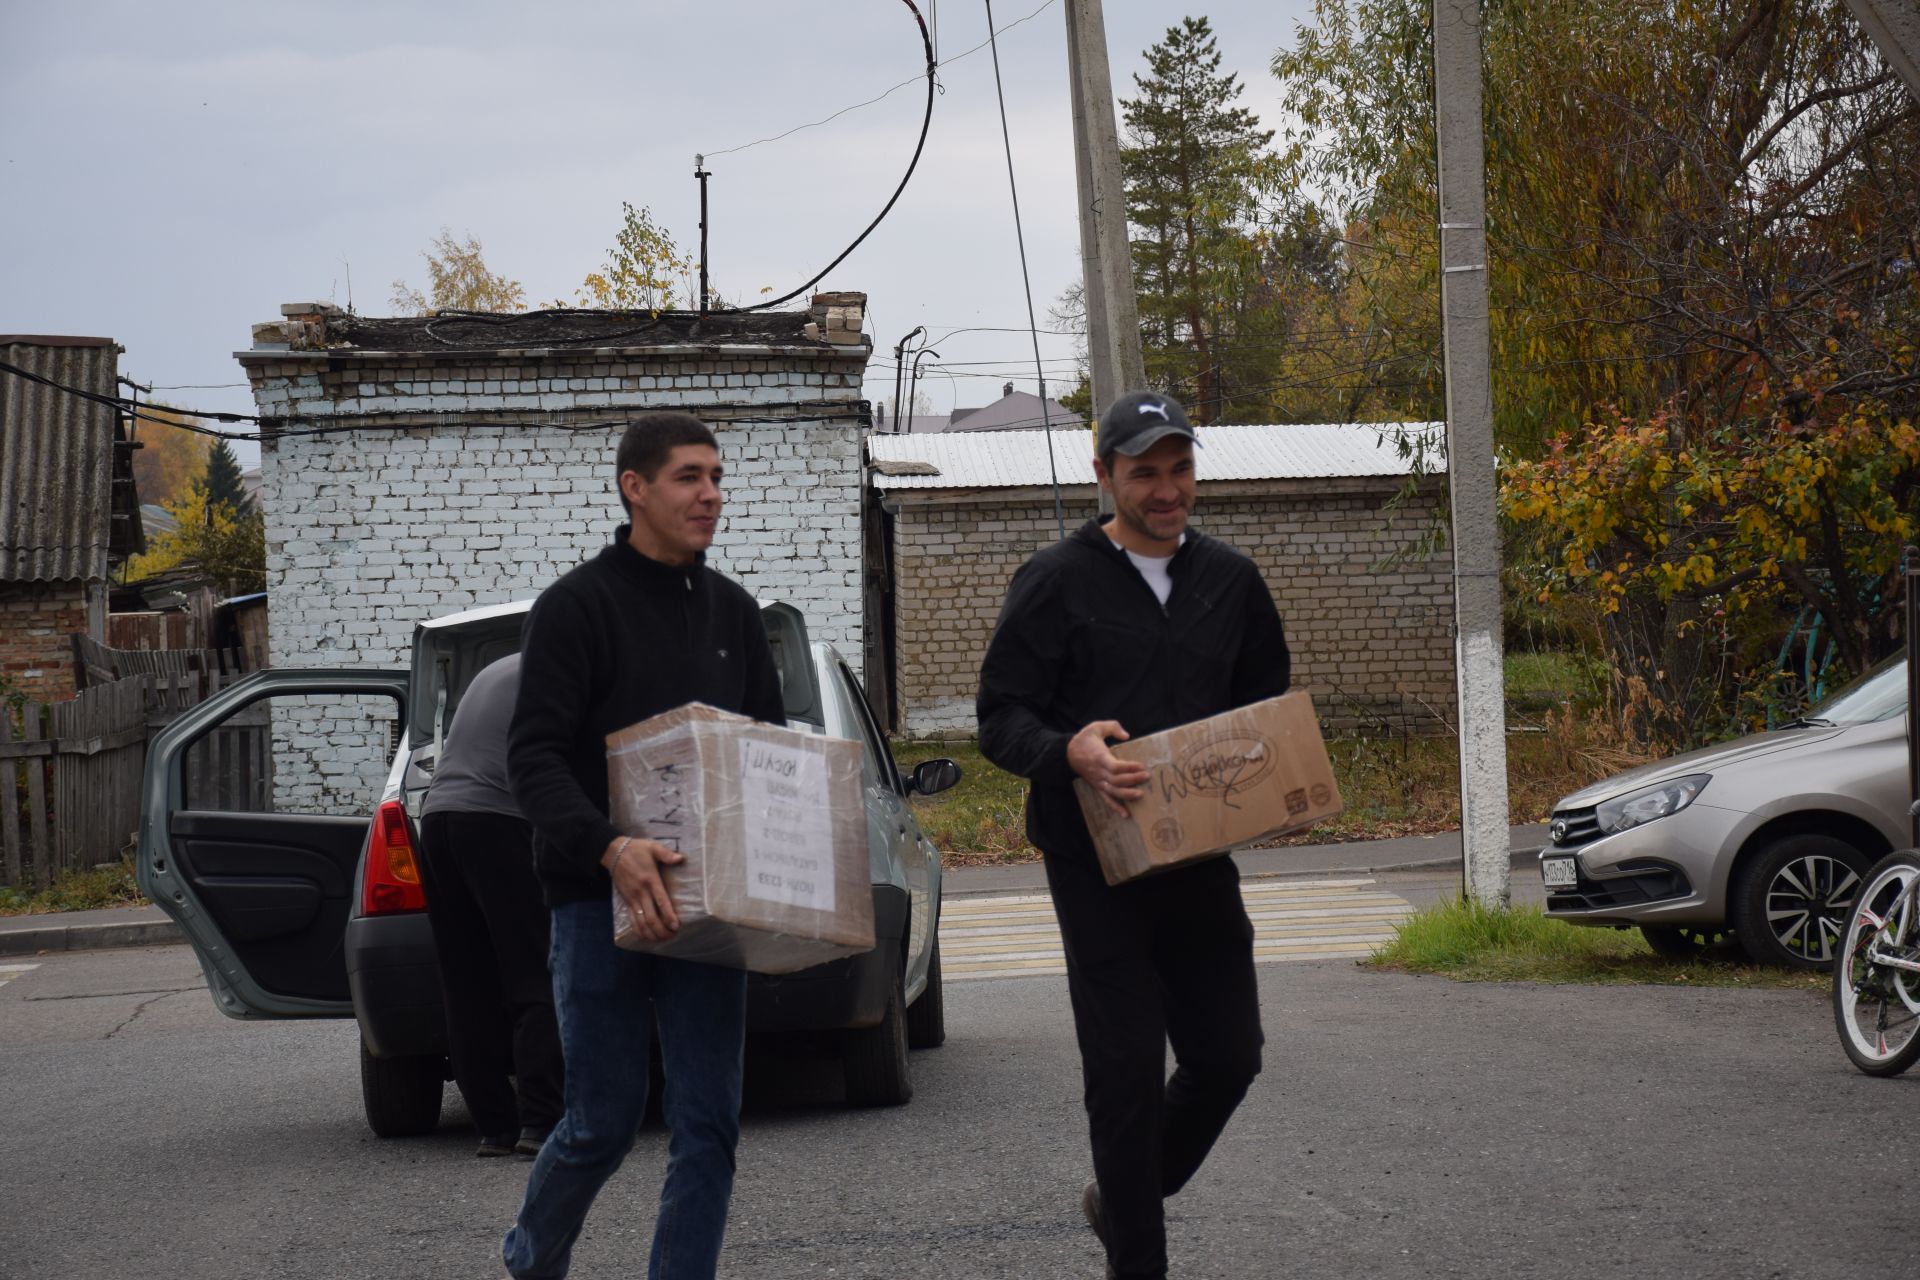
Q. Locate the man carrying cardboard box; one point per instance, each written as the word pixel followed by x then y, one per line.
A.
pixel 641 628
pixel 1126 628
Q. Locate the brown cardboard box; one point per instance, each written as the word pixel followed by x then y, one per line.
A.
pixel 774 831
pixel 1215 784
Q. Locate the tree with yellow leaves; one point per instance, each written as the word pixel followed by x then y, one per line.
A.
pixel 458 280
pixel 229 545
pixel 641 270
pixel 169 458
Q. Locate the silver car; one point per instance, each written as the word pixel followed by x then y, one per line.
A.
pixel 291 866
pixel 1762 839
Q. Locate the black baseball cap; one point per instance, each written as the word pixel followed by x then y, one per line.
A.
pixel 1139 420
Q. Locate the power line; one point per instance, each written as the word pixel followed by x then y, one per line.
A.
pixel 292 425
pixel 815 124
pixel 926 123
pixel 1026 282
pixel 181 386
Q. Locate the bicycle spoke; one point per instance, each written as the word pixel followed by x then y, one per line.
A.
pixel 1877 1004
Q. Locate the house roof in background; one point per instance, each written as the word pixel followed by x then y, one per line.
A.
pixel 56 459
pixel 1008 459
pixel 1014 411
pixel 157 519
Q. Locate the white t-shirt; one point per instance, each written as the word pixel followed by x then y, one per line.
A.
pixel 1154 570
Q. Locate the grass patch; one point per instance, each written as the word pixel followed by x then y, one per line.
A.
pixel 983 821
pixel 1473 943
pixel 1553 676
pixel 112 885
pixel 1400 786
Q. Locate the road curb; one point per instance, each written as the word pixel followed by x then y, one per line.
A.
pixel 161 933
pixel 1520 860
pixel 89 937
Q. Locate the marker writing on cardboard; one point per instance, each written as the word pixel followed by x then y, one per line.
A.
pixel 1222 767
pixel 668 794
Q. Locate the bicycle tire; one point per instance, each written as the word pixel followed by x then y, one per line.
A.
pixel 1885 916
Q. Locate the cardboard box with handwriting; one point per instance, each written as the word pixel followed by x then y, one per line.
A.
pixel 1214 785
pixel 772 825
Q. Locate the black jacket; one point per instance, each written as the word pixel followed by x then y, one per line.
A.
pixel 619 639
pixel 1082 637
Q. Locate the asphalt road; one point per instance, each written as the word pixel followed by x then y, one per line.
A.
pixel 1404 1127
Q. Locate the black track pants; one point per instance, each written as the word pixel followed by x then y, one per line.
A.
pixel 1164 960
pixel 491 931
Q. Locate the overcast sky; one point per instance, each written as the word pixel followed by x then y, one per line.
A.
pixel 173 173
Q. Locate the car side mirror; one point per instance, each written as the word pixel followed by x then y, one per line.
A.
pixel 931 777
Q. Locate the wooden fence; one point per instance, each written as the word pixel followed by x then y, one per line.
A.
pixel 70 771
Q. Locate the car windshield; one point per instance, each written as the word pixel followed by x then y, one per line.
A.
pixel 1881 694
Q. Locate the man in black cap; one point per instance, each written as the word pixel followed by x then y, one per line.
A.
pixel 1133 625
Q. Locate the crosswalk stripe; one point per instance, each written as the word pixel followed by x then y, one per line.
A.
pixel 1018 936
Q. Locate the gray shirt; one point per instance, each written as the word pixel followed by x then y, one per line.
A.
pixel 471 776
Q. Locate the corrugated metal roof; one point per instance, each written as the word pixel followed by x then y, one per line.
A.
pixel 56 460
pixel 1001 459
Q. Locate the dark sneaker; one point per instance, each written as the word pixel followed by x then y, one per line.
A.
pixel 531 1140
pixel 498 1145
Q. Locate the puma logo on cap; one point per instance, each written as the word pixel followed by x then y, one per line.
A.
pixel 1147 408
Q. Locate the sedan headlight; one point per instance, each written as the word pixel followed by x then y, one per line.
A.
pixel 1657 801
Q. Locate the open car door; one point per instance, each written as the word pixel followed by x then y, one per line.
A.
pixel 255 810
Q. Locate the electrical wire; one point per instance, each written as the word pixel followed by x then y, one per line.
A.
pixel 926 123
pixel 276 428
pixel 815 124
pixel 1026 281
pixel 180 386
pixel 493 318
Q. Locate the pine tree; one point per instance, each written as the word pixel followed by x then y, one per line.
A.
pixel 1192 164
pixel 223 480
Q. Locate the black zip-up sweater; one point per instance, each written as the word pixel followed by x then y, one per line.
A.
pixel 619 639
pixel 1082 638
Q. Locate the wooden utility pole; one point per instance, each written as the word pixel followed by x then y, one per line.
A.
pixel 1478 652
pixel 1113 319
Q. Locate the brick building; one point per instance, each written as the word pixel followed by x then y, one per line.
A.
pixel 1368 616
pixel 67 506
pixel 421 466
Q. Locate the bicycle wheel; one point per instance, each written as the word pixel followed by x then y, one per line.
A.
pixel 1876 982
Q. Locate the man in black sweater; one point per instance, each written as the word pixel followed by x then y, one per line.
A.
pixel 641 628
pixel 1127 628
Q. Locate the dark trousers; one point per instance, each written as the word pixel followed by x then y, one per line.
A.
pixel 491 931
pixel 1163 960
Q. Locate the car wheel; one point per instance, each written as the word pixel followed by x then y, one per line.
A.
pixel 1789 906
pixel 927 1016
pixel 875 1058
pixel 1683 942
pixel 401 1095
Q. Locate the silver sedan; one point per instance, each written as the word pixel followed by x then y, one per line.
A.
pixel 1762 839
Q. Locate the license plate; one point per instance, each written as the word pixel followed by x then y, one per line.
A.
pixel 1558 873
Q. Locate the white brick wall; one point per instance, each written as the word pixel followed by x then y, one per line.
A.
pixel 372 530
pixel 475 478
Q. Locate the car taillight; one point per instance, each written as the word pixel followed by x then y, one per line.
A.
pixel 393 869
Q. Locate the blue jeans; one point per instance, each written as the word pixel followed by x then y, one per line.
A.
pixel 607 1000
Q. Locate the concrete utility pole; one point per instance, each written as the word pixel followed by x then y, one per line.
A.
pixel 1113 319
pixel 1484 841
pixel 1894 26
